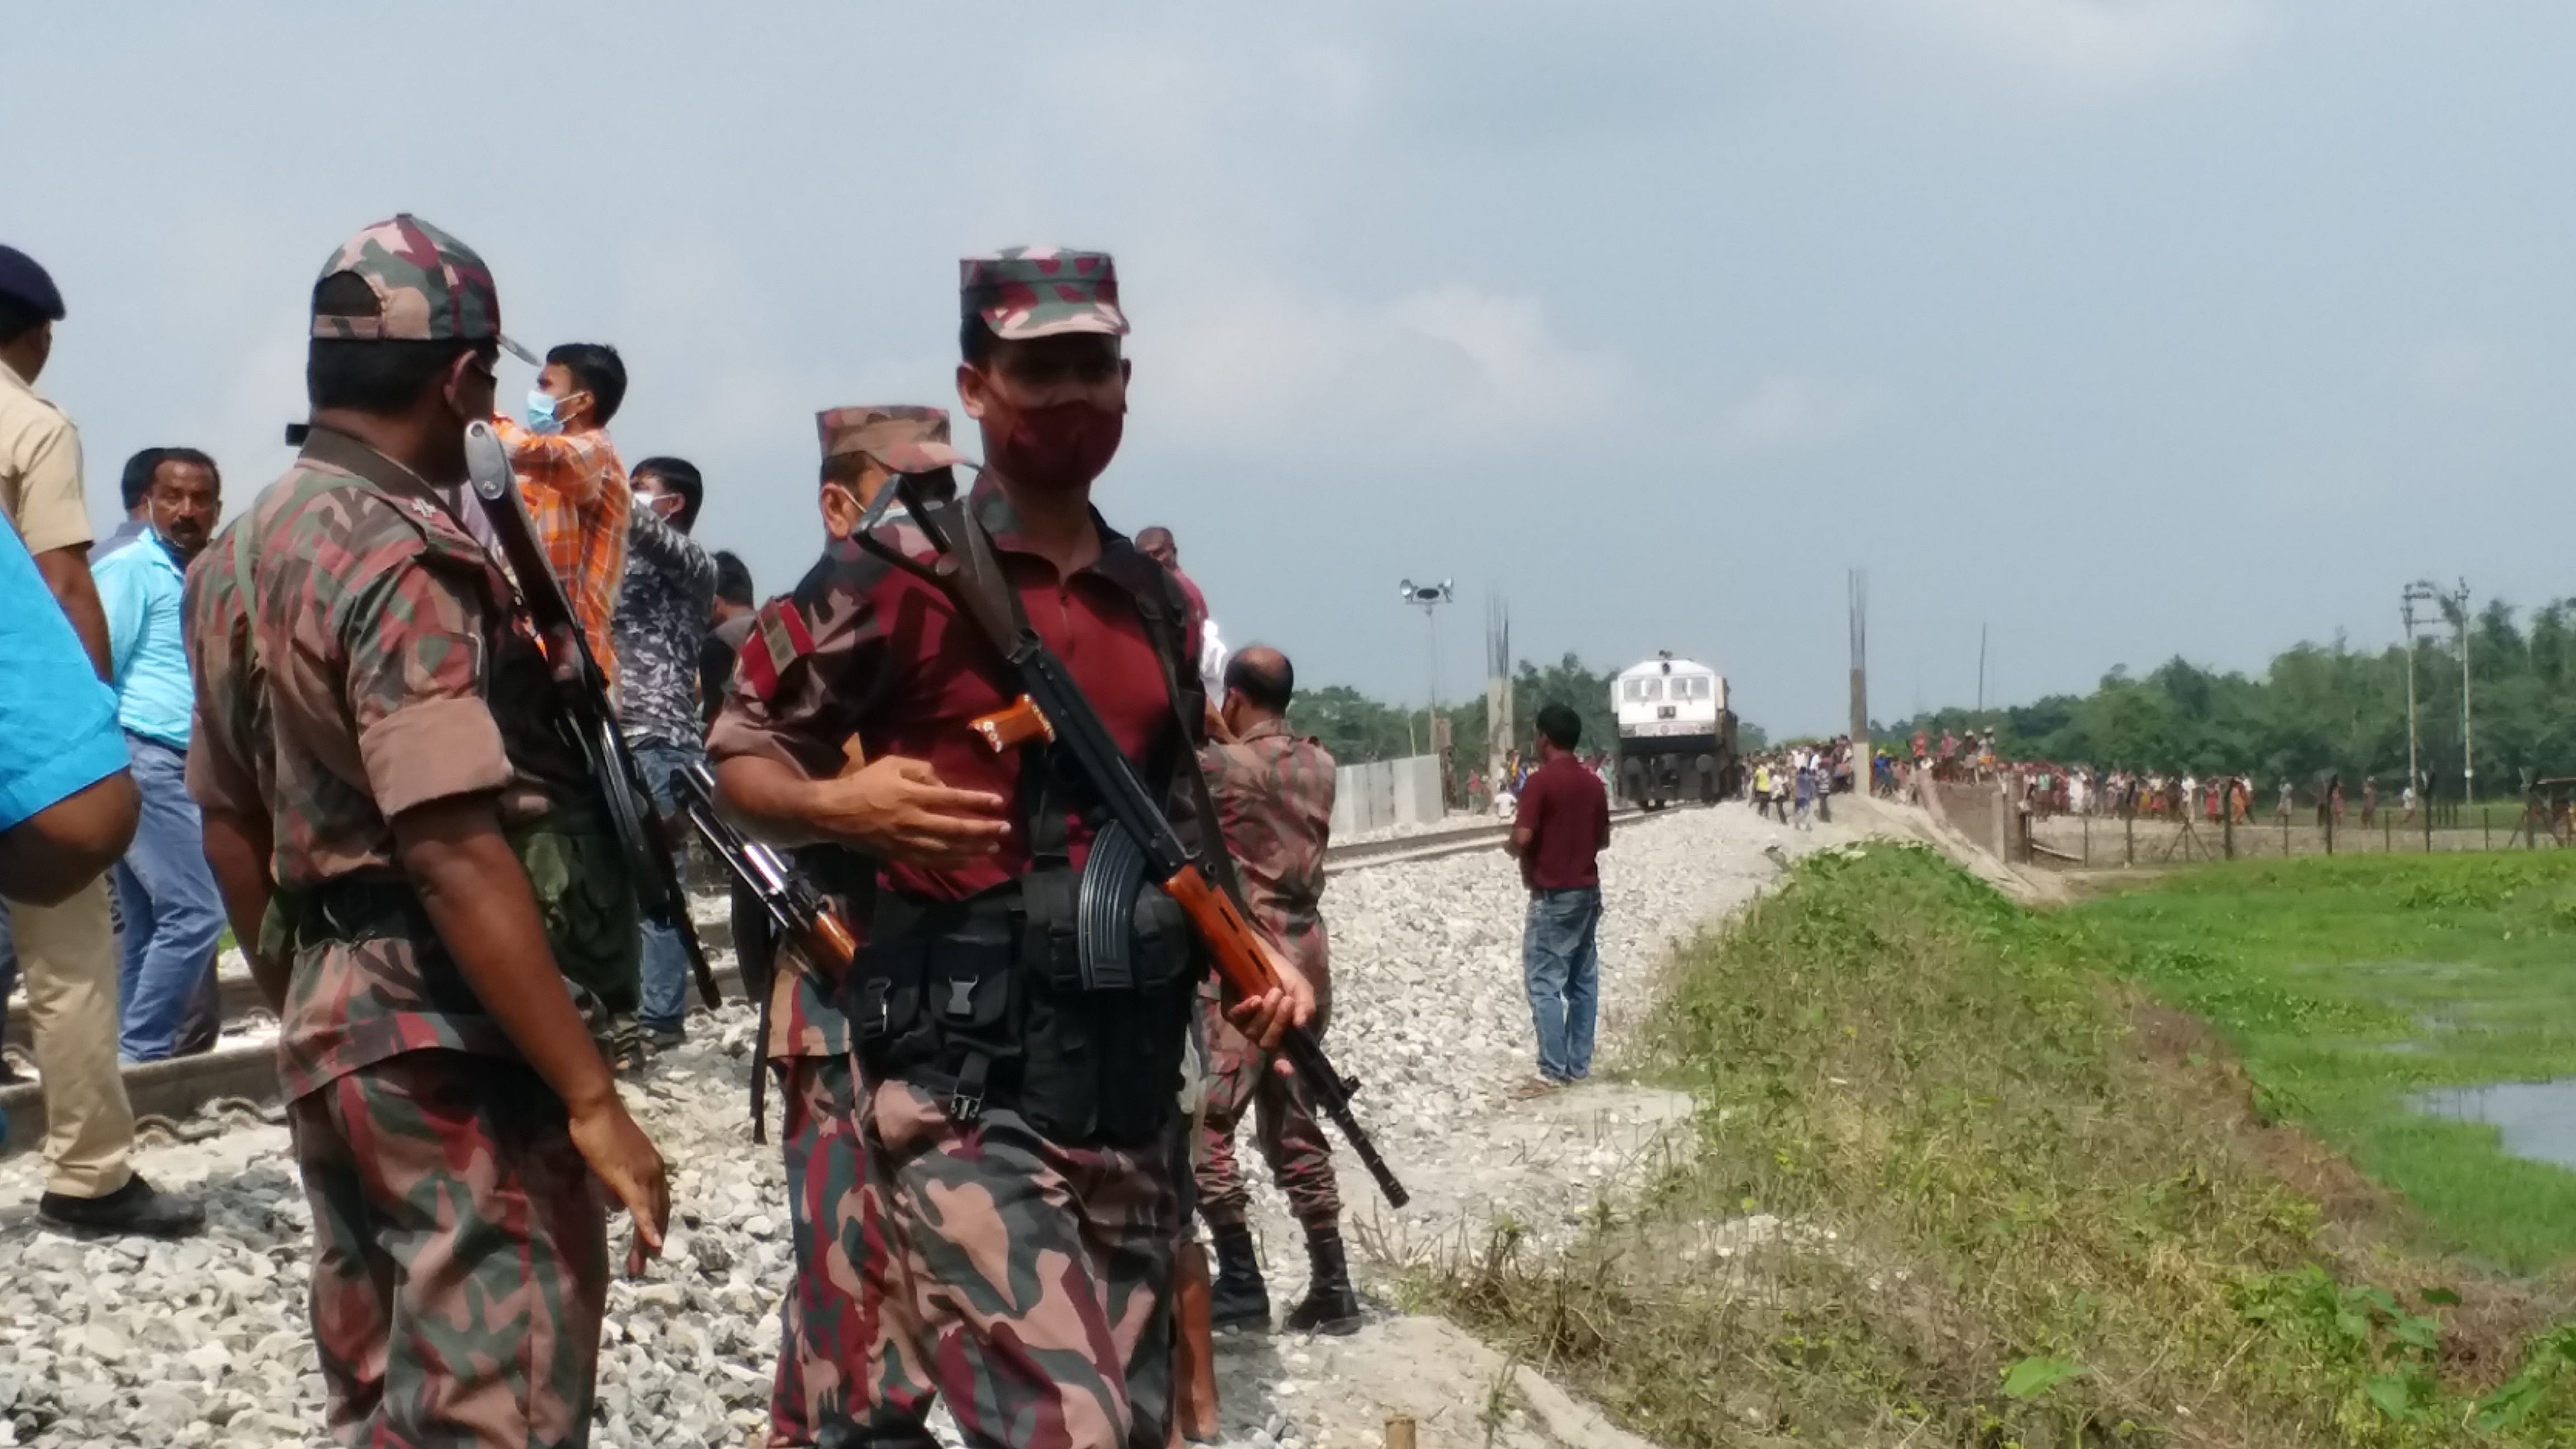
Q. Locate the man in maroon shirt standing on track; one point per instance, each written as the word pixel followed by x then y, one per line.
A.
pixel 1558 836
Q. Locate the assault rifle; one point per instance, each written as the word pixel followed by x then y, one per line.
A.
pixel 803 917
pixel 583 714
pixel 1134 839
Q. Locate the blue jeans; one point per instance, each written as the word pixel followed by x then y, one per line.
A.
pixel 173 917
pixel 666 961
pixel 1561 963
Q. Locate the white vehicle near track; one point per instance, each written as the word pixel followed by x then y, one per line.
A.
pixel 1676 733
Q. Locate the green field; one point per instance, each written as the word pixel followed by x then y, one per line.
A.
pixel 1956 1181
pixel 2349 985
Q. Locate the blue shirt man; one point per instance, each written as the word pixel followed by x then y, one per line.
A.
pixel 165 892
pixel 57 722
pixel 139 581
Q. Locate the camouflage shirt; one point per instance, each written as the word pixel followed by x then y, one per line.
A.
pixel 1274 798
pixel 354 656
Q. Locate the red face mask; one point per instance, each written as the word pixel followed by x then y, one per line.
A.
pixel 1059 447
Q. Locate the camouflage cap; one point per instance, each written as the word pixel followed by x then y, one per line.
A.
pixel 1024 292
pixel 906 439
pixel 429 286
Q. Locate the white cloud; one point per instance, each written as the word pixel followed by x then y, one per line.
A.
pixel 1453 369
pixel 2093 48
pixel 1795 412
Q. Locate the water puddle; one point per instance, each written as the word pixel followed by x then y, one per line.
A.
pixel 2538 1119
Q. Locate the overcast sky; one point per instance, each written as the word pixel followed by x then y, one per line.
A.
pixel 2129 327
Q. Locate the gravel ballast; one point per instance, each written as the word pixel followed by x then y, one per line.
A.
pixel 205 1342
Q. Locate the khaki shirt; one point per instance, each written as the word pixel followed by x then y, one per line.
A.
pixel 40 468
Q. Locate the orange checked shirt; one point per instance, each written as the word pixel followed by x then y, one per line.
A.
pixel 577 498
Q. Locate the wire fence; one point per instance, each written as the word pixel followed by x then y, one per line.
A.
pixel 2088 841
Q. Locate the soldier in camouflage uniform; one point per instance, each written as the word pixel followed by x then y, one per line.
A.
pixel 1274 799
pixel 1018 1198
pixel 373 761
pixel 824 1321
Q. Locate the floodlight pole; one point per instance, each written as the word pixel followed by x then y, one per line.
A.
pixel 1429 598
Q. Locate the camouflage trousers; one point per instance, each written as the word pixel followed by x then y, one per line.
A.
pixel 822 1324
pixel 1027 1283
pixel 1284 1128
pixel 460 1254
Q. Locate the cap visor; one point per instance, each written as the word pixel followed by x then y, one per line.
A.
pixel 924 457
pixel 521 353
pixel 1014 324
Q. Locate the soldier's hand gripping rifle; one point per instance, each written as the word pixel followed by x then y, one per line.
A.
pixel 1134 837
pixel 584 715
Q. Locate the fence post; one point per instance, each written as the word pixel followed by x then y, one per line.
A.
pixel 2387 831
pixel 2129 835
pixel 2327 815
pixel 2228 831
pixel 2285 831
pixel 2486 827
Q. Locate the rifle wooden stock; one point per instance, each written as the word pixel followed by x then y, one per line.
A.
pixel 828 943
pixel 1023 723
pixel 1240 957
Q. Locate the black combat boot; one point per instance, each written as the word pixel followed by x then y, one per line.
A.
pixel 1330 1306
pixel 1239 1299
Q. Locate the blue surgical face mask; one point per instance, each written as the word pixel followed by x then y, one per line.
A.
pixel 541 413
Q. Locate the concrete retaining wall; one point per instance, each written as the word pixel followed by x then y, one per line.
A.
pixel 1386 793
pixel 1976 811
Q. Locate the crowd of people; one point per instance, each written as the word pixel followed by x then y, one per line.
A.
pixel 1501 797
pixel 2052 790
pixel 331 726
pixel 1795 784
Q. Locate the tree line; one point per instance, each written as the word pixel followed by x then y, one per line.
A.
pixel 2320 710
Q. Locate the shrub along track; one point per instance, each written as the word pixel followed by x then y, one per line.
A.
pixel 1955 1184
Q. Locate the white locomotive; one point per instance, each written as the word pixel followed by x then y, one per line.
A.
pixel 1676 733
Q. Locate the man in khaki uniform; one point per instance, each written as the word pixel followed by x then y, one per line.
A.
pixel 68 949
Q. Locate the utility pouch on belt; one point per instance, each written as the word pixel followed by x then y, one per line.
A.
pixel 931 1000
pixel 981 1000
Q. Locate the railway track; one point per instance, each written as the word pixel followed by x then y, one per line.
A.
pixel 244 1069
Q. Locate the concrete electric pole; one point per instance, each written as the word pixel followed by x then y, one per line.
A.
pixel 2418 592
pixel 1862 775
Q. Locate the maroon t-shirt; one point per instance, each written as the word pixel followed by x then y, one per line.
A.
pixel 1567 815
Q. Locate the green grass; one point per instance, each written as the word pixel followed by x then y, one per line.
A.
pixel 1938 1197
pixel 2349 985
